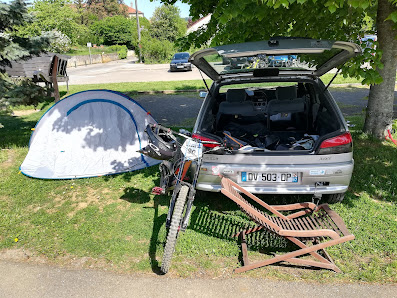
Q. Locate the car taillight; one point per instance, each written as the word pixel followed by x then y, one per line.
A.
pixel 205 139
pixel 339 144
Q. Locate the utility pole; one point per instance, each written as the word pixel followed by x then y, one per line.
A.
pixel 139 31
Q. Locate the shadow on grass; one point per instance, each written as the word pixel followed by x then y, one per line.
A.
pixel 158 222
pixel 374 170
pixel 130 176
pixel 218 216
pixel 16 131
pixel 134 195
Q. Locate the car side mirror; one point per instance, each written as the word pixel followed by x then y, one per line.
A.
pixel 203 94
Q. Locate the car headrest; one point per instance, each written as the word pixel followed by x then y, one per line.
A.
pixel 286 93
pixel 236 95
pixel 294 106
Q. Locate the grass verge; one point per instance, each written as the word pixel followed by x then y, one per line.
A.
pixel 132 88
pixel 115 223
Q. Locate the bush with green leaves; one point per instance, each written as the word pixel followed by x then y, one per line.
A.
pixel 59 42
pixel 53 15
pixel 115 30
pixel 156 51
pixel 21 91
pixel 120 49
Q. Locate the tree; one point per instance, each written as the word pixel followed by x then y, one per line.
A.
pixel 13 47
pixel 240 21
pixel 105 8
pixel 52 15
pixel 116 30
pixel 166 23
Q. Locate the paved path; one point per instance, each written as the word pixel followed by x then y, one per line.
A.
pixel 172 109
pixel 127 71
pixel 27 280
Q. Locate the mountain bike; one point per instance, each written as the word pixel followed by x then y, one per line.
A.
pixel 179 171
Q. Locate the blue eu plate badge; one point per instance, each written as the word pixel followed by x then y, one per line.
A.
pixel 244 176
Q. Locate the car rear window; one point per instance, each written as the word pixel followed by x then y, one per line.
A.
pixel 181 56
pixel 303 61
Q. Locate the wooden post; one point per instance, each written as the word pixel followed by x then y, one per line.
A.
pixel 54 78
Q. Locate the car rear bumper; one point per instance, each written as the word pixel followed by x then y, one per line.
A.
pixel 180 67
pixel 320 179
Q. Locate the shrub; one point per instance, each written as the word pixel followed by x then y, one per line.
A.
pixel 59 42
pixel 156 51
pixel 19 92
pixel 120 49
pixel 115 30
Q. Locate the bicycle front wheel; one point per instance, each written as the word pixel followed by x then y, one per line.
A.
pixel 173 231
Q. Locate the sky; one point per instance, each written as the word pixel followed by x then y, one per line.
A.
pixel 146 6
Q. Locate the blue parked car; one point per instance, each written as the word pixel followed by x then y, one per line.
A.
pixel 180 61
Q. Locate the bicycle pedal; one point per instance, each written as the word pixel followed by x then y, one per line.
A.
pixel 157 190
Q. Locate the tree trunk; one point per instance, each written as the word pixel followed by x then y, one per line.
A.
pixel 379 114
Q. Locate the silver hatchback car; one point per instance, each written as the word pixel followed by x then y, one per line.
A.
pixel 283 131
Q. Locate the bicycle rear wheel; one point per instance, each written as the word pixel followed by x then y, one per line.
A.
pixel 174 228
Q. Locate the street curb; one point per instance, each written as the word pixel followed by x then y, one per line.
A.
pixel 198 90
pixel 169 91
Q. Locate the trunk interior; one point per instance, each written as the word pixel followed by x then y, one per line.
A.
pixel 290 116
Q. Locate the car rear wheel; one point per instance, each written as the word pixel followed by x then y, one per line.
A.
pixel 333 198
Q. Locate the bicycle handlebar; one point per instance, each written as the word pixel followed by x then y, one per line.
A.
pixel 169 130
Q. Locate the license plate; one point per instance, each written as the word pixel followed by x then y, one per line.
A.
pixel 192 150
pixel 180 66
pixel 269 177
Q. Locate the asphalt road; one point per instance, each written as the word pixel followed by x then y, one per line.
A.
pixel 28 280
pixel 127 71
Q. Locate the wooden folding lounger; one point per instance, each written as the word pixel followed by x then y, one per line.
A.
pixel 309 223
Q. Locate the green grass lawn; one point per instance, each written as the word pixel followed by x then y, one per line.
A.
pixel 115 223
pixel 83 50
pixel 132 88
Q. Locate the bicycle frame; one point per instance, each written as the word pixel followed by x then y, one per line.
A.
pixel 173 173
pixel 181 172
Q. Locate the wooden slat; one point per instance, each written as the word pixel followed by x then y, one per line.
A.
pixel 290 224
pixel 306 227
pixel 298 224
pixel 279 223
pixel 244 249
pixel 294 254
pixel 337 219
pixel 295 206
pixel 319 221
pixel 309 223
pixel 298 261
pixel 333 225
pixel 255 198
pixel 300 244
pixel 315 221
pixel 250 209
pixel 312 233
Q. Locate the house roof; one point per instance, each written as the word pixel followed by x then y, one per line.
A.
pixel 199 23
pixel 131 10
